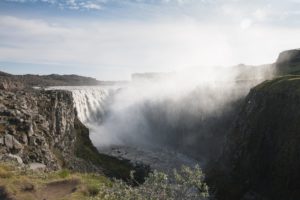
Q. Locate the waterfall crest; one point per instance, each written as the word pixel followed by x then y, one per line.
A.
pixel 90 102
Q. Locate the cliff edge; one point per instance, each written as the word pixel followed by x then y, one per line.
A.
pixel 288 62
pixel 261 158
pixel 41 129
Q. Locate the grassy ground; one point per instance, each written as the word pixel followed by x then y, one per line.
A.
pixel 289 84
pixel 23 184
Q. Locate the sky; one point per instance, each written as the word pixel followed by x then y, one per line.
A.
pixel 111 39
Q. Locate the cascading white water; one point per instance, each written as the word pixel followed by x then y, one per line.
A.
pixel 94 102
pixel 149 118
pixel 90 101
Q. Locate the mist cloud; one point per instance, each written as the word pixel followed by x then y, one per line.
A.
pixel 188 111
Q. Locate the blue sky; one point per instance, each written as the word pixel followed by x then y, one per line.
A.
pixel 110 39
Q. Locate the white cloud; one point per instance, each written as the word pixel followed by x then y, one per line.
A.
pixel 260 14
pixel 120 47
pixel 69 4
pixel 21 1
pixel 91 6
pixel 246 23
pixel 99 4
pixel 158 34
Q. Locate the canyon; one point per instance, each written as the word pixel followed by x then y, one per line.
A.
pixel 242 129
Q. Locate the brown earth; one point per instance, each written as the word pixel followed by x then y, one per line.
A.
pixel 57 190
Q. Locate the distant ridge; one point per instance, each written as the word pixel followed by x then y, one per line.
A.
pixel 288 62
pixel 12 82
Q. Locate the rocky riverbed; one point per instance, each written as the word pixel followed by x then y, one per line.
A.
pixel 164 160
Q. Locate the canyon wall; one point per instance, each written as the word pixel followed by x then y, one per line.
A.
pixel 41 129
pixel 261 156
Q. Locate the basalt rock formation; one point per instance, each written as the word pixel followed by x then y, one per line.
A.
pixel 261 157
pixel 41 129
pixel 38 127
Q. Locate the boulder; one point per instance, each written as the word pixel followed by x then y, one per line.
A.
pixel 12 143
pixel 17 145
pixel 8 140
pixel 11 158
pixel 37 166
pixel 16 158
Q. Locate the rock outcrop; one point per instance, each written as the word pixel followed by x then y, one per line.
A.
pixel 38 126
pixel 9 82
pixel 261 159
pixel 288 62
pixel 41 128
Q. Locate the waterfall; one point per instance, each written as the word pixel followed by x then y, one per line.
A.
pixel 118 126
pixel 90 102
pixel 183 114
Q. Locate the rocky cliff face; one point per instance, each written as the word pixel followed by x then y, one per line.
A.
pixel 261 159
pixel 38 127
pixel 7 82
pixel 41 129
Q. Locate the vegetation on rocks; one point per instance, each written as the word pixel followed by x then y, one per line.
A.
pixel 288 62
pixel 186 183
pixel 19 183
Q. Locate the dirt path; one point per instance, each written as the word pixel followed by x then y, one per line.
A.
pixel 57 190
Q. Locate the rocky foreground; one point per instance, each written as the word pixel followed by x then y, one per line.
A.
pixel 40 129
pixel 36 125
